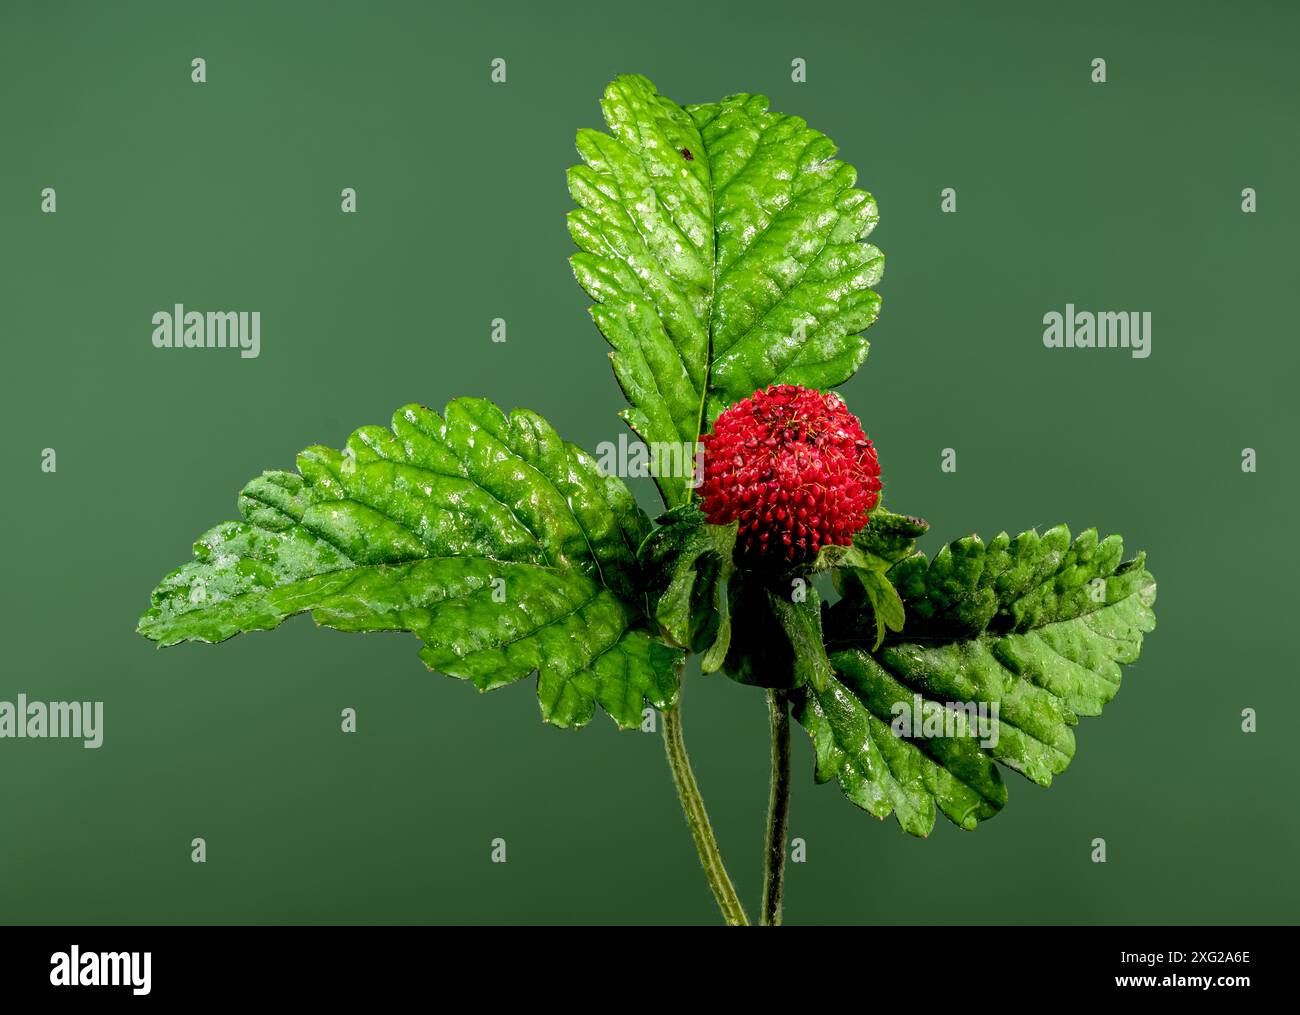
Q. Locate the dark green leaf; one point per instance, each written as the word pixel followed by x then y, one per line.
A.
pixel 688 563
pixel 890 537
pixel 777 639
pixel 886 605
pixel 882 773
pixel 868 600
pixel 1037 625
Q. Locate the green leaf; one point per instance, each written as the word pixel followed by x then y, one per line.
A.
pixel 886 605
pixel 890 537
pixel 498 544
pixel 867 597
pixel 883 773
pixel 688 563
pixel 724 248
pixel 868 600
pixel 716 655
pixel 887 539
pixel 801 620
pixel 778 632
pixel 1037 625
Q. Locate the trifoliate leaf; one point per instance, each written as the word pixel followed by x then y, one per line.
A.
pixel 724 248
pixel 1035 627
pixel 497 543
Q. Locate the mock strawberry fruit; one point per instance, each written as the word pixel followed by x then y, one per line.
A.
pixel 795 467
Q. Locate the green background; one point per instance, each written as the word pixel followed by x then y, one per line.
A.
pixel 226 195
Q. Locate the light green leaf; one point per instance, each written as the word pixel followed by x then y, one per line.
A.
pixel 724 248
pixel 501 546
pixel 1037 625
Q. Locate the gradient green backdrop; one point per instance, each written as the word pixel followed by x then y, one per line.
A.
pixel 226 195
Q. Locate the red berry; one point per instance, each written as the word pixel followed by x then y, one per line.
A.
pixel 794 466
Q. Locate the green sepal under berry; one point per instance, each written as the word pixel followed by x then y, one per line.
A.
pixel 868 599
pixel 872 598
pixel 890 537
pixel 501 546
pixel 1038 625
pixel 886 539
pixel 778 639
pixel 776 636
pixel 688 564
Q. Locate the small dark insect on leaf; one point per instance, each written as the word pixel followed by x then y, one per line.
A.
pixel 686 154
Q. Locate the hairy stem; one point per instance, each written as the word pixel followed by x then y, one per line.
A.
pixel 778 808
pixel 696 816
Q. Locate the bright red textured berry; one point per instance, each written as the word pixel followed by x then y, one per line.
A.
pixel 795 467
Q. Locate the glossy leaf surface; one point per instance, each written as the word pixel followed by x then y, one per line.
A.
pixel 724 247
pixel 497 543
pixel 1037 625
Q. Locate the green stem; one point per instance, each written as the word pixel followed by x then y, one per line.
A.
pixel 696 816
pixel 778 808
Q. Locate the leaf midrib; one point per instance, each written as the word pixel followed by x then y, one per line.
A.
pixel 373 568
pixel 713 292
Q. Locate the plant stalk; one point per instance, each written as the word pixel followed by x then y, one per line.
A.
pixel 778 808
pixel 696 816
